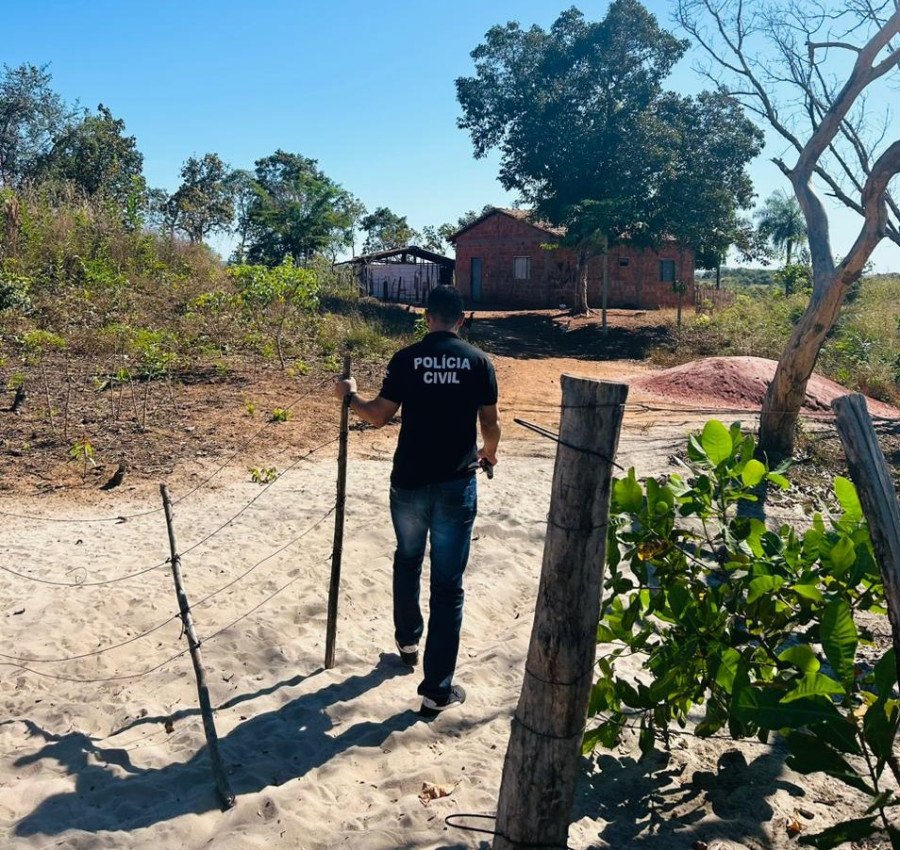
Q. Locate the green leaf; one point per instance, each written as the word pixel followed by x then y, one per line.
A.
pixel 762 586
pixel 886 674
pixel 808 591
pixel 716 441
pixel 809 754
pixel 842 555
pixel 606 734
pixel 779 480
pixel 839 638
pixel 802 657
pixel 604 634
pixel 848 499
pixel 850 830
pixel 753 473
pixel 763 707
pixel 627 494
pixel 727 669
pixel 880 730
pixel 695 450
pixel 812 685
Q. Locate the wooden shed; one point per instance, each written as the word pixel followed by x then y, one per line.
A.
pixel 404 274
pixel 506 258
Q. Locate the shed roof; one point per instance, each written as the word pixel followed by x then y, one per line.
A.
pixel 413 250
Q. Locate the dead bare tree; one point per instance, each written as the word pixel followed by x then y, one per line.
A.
pixel 785 64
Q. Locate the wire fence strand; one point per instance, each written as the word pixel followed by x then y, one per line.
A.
pixel 192 548
pixel 34 660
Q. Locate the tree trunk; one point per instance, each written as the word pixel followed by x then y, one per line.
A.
pixel 581 287
pixel 719 275
pixel 790 245
pixel 605 295
pixel 786 393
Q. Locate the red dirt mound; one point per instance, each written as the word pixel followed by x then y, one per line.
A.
pixel 741 382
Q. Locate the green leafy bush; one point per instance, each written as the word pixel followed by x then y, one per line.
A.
pixel 759 627
pixel 275 300
pixel 14 292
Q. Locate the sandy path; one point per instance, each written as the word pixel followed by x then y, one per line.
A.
pixel 323 759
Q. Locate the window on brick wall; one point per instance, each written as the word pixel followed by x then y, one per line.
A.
pixel 667 271
pixel 624 261
pixel 522 268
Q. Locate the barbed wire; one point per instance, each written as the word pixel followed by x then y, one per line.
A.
pixel 188 494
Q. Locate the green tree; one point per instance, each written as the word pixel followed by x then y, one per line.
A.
pixel 590 139
pixel 204 202
pixel 297 212
pixel 433 239
pixel 781 222
pixel 244 192
pixel 385 230
pixel 355 211
pixel 31 116
pixel 96 155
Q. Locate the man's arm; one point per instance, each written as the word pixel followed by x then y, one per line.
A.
pixel 489 419
pixel 378 412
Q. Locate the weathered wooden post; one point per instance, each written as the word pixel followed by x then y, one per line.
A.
pixel 870 474
pixel 209 724
pixel 538 786
pixel 337 550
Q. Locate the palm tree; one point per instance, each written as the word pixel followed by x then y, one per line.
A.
pixel 781 222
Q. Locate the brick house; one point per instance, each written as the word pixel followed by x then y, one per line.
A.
pixel 504 258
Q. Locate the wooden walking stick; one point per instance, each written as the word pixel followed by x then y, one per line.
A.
pixel 339 510
pixel 209 725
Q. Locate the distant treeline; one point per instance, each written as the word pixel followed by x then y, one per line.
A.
pixel 736 278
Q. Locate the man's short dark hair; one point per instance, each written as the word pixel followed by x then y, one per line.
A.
pixel 446 304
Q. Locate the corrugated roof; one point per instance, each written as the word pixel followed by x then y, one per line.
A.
pixel 414 250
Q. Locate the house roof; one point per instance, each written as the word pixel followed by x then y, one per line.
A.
pixel 519 215
pixel 412 250
pixel 525 217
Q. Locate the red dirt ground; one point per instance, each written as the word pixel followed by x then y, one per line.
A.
pixel 741 382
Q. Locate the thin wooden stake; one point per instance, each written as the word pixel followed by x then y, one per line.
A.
pixel 337 550
pixel 871 475
pixel 209 725
pixel 537 790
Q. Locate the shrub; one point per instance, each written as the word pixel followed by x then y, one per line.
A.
pixel 759 627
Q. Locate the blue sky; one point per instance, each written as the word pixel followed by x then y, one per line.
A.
pixel 367 88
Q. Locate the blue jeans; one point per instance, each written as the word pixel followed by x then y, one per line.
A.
pixel 446 511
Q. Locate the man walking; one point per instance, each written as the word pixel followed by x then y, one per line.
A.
pixel 443 385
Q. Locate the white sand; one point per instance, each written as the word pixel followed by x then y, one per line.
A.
pixel 318 759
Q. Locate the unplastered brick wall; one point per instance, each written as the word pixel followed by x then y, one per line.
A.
pixel 498 240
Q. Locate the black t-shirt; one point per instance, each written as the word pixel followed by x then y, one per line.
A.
pixel 440 382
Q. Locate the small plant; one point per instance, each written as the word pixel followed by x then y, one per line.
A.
pixel 281 414
pixel 250 407
pixel 82 452
pixel 263 474
pixel 421 327
pixel 756 626
pixel 298 368
pixel 332 363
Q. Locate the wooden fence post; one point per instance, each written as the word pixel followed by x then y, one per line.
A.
pixel 870 474
pixel 337 550
pixel 540 771
pixel 209 725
